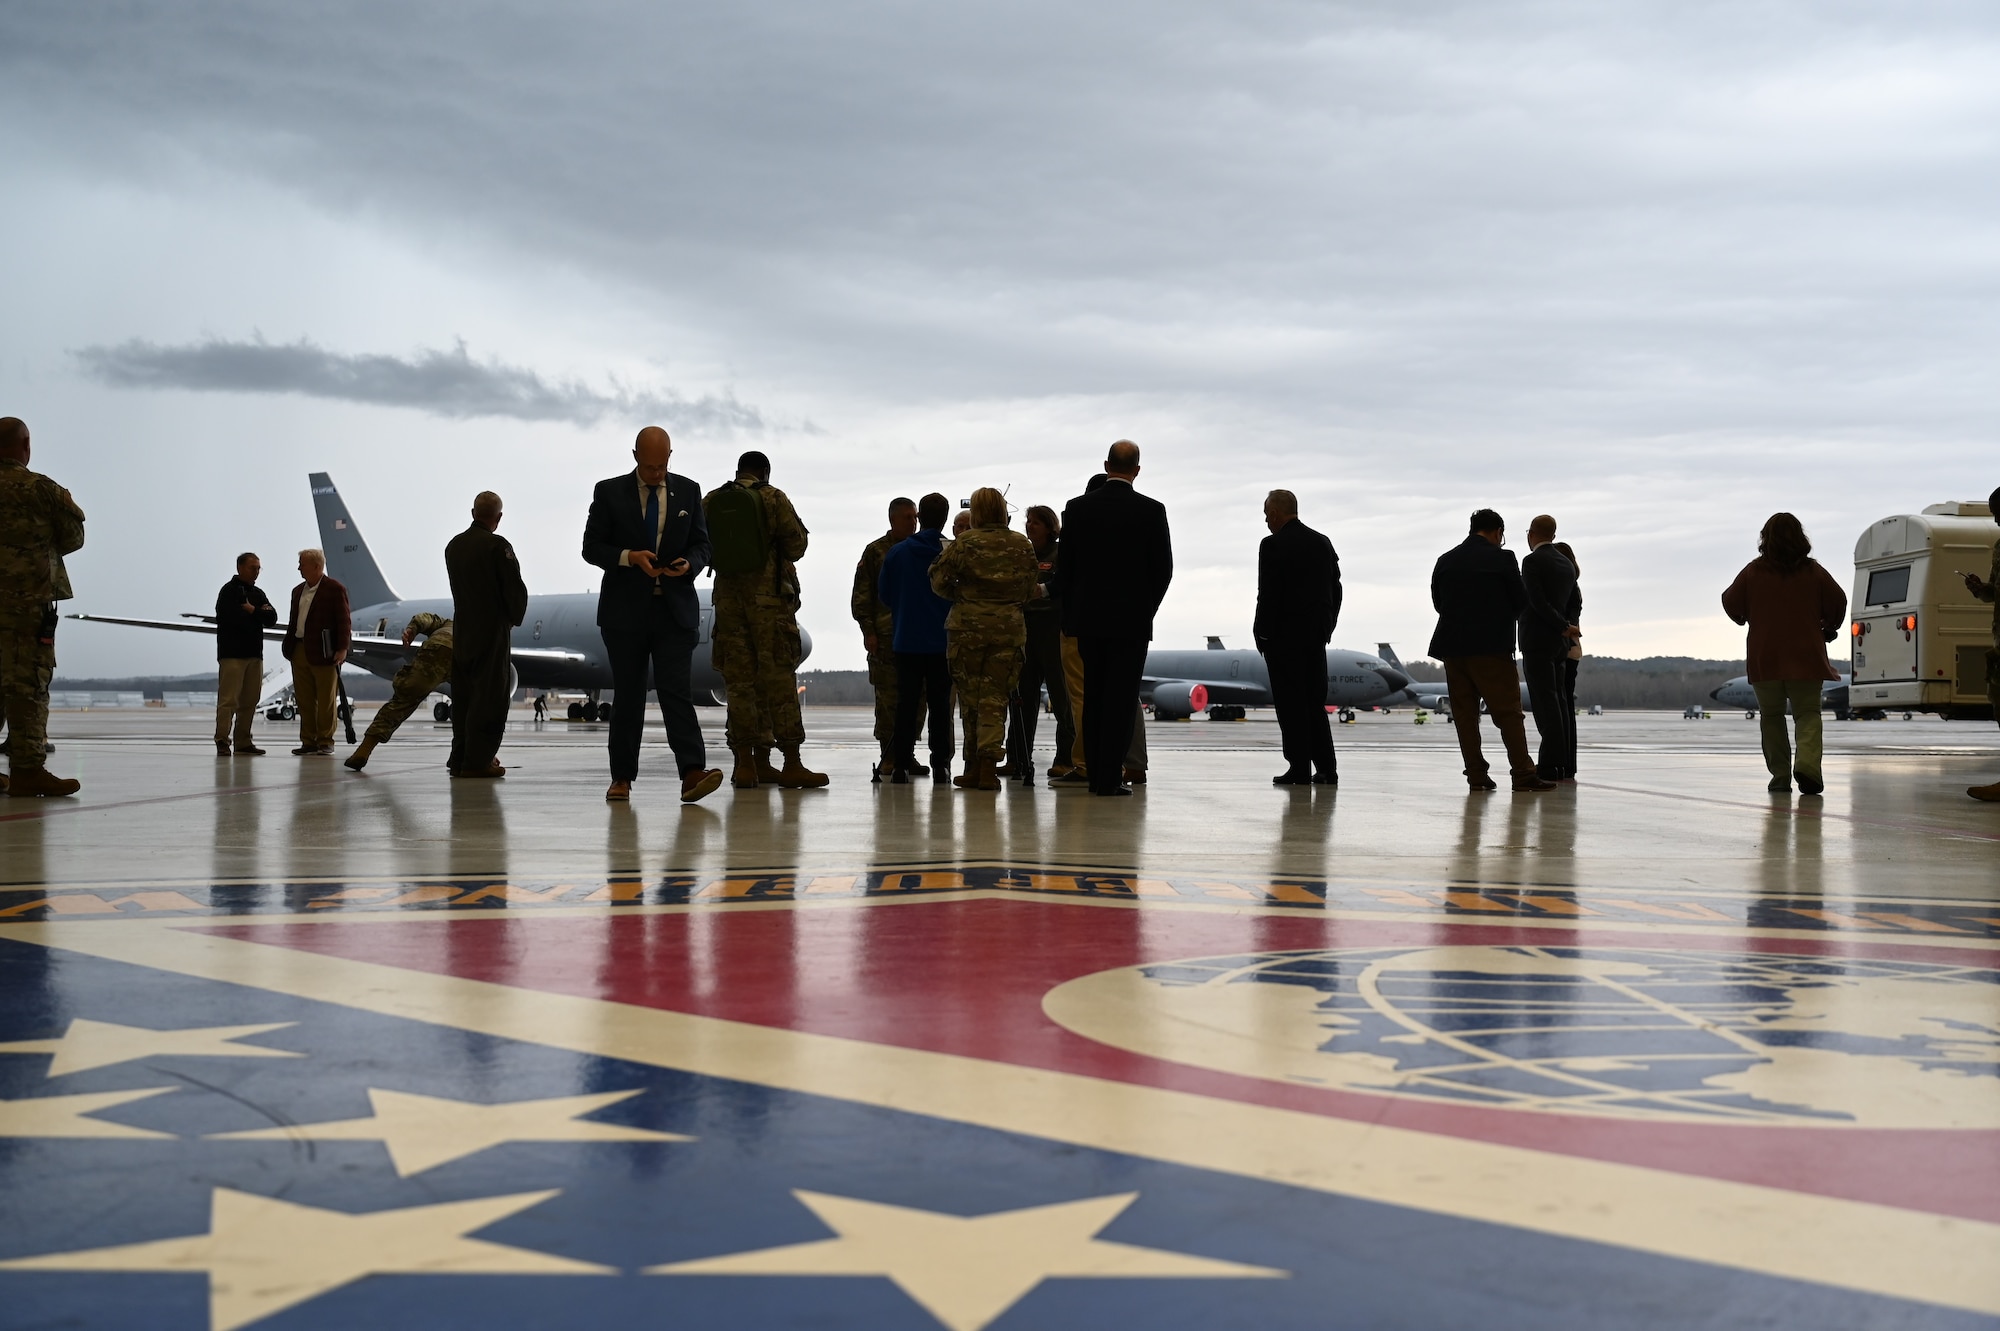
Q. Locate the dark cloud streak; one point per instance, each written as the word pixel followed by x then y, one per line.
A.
pixel 442 383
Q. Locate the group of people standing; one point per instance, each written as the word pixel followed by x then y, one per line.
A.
pixel 996 615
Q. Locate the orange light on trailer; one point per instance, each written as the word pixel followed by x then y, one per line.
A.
pixel 1908 623
pixel 1857 628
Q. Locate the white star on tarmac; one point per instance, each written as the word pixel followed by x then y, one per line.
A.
pixel 263 1255
pixel 966 1270
pixel 99 1044
pixel 425 1131
pixel 63 1115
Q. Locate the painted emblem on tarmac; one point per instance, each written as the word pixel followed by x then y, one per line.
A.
pixel 1705 1036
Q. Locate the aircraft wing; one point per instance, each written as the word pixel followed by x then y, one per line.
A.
pixel 363 644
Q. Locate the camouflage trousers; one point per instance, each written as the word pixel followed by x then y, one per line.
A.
pixel 755 647
pixel 882 678
pixel 985 669
pixel 26 666
pixel 416 681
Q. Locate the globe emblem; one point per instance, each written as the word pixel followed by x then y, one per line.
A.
pixel 1701 1036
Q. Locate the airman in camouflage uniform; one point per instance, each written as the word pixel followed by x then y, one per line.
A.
pixel 878 625
pixel 988 574
pixel 754 642
pixel 1989 590
pixel 39 524
pixel 417 680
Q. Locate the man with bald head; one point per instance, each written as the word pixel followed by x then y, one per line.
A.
pixel 39 524
pixel 647 532
pixel 488 599
pixel 1114 562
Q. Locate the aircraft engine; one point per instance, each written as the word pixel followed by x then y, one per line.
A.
pixel 1176 700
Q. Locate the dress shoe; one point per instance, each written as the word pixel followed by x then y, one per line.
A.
pixel 1991 794
pixel 493 772
pixel 1293 776
pixel 900 777
pixel 222 749
pixel 618 791
pixel 1114 790
pixel 795 775
pixel 1326 778
pixel 1075 776
pixel 304 751
pixel 700 783
pixel 38 782
pixel 1481 783
pixel 1808 785
pixel 1779 786
pixel 1135 776
pixel 1532 785
pixel 941 771
pixel 250 751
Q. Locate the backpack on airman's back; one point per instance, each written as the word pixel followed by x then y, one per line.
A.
pixel 737 539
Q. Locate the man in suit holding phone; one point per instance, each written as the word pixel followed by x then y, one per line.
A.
pixel 647 532
pixel 1114 561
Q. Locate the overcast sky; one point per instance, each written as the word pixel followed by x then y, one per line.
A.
pixel 1658 269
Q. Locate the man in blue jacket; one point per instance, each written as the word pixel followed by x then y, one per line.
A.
pixel 1477 591
pixel 922 674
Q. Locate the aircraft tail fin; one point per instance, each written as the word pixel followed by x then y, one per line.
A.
pixel 348 560
pixel 1388 653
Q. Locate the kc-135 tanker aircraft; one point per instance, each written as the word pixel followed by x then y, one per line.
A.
pixel 558 647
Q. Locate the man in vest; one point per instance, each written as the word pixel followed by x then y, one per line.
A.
pixel 756 538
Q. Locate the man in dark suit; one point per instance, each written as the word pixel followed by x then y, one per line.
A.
pixel 1546 635
pixel 1298 604
pixel 1114 561
pixel 1477 592
pixel 488 600
pixel 647 532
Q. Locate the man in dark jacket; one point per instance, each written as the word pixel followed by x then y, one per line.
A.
pixel 319 632
pixel 488 600
pixel 1546 635
pixel 917 614
pixel 647 532
pixel 242 613
pixel 1477 592
pixel 1114 562
pixel 1298 604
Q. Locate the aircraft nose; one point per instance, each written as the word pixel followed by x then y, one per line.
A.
pixel 805 643
pixel 1395 679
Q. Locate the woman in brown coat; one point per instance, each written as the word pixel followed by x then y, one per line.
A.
pixel 1794 608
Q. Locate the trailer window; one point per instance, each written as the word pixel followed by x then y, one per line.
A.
pixel 1887 586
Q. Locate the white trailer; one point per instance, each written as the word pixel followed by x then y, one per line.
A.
pixel 1919 637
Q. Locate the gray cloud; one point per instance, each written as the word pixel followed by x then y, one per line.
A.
pixel 442 383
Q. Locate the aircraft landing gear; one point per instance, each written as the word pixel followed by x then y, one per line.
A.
pixel 604 711
pixel 442 711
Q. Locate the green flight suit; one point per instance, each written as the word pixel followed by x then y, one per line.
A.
pixel 877 621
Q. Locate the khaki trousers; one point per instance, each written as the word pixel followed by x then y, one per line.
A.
pixel 239 683
pixel 315 690
pixel 1801 696
pixel 1471 678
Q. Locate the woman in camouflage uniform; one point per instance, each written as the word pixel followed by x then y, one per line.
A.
pixel 988 575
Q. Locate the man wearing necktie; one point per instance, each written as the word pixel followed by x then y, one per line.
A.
pixel 647 533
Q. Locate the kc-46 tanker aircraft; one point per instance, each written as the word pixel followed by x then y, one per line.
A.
pixel 557 645
pixel 1179 683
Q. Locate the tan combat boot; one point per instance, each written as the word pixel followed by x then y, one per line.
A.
pixel 767 774
pixel 359 758
pixel 984 775
pixel 1991 794
pixel 37 781
pixel 797 776
pixel 745 776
